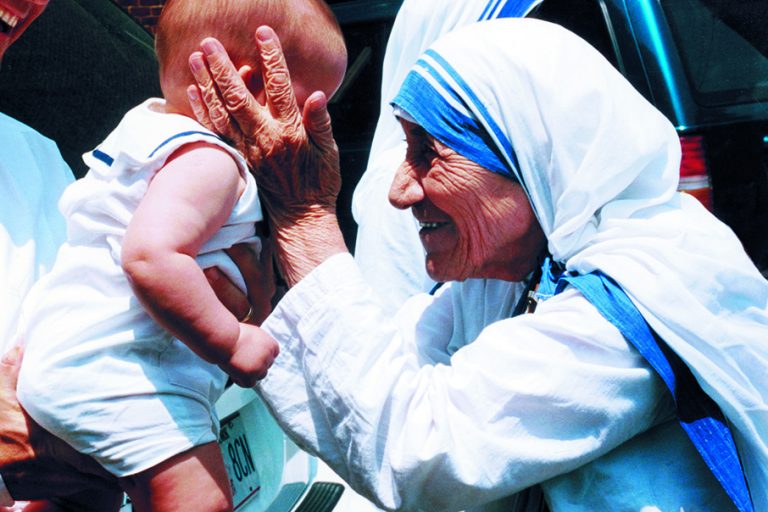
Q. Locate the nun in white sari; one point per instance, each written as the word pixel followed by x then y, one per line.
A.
pixel 458 402
pixel 387 247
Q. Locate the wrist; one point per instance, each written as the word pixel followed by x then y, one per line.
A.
pixel 306 241
pixel 251 356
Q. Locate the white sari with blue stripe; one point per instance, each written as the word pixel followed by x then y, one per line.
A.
pixel 600 166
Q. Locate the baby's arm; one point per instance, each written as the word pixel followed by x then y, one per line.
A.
pixel 187 201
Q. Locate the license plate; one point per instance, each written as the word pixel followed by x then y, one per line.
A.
pixel 238 459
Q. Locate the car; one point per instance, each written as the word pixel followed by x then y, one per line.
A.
pixel 703 64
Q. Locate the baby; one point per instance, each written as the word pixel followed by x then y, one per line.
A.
pixel 127 346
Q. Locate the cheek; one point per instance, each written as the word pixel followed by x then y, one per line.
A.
pixel 301 94
pixel 457 198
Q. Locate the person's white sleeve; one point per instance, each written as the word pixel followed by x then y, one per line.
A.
pixel 6 500
pixel 531 398
pixel 33 176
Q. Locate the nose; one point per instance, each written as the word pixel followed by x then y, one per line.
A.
pixel 406 190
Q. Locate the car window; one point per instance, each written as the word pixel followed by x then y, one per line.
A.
pixel 720 47
pixel 354 108
pixel 582 17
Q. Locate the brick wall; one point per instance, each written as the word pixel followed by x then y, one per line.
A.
pixel 145 12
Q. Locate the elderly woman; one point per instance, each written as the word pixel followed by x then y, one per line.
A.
pixel 522 141
pixel 387 248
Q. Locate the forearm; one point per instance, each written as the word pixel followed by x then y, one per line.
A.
pixel 176 294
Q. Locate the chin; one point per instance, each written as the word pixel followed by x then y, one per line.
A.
pixel 502 274
pixel 443 275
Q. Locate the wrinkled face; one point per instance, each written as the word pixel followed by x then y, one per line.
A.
pixel 15 17
pixel 474 223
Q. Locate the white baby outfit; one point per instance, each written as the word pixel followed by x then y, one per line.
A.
pixel 98 371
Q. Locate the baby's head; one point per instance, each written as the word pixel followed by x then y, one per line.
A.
pixel 309 34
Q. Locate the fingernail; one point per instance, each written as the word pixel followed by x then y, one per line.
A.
pixel 210 46
pixel 192 94
pixel 196 61
pixel 264 34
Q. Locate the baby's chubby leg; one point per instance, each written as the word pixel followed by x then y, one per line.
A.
pixel 195 480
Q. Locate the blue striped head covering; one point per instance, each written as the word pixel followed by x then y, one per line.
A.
pixel 507 9
pixel 420 23
pixel 430 95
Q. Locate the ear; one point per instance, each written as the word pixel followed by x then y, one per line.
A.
pixel 254 82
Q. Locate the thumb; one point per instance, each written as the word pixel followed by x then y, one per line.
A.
pixel 317 121
pixel 9 368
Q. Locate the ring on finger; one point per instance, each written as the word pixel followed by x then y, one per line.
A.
pixel 248 316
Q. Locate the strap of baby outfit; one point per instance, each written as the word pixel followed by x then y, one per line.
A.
pixel 698 414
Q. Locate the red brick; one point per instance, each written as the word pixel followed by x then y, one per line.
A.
pixel 145 12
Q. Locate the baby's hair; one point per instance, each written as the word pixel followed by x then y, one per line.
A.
pixel 184 23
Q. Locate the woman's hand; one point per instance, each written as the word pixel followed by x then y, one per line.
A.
pixel 35 464
pixel 292 154
pixel 258 272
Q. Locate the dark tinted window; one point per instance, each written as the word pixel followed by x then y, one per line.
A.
pixel 723 47
pixel 582 17
pixel 355 107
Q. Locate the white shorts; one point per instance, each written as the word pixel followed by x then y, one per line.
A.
pixel 128 411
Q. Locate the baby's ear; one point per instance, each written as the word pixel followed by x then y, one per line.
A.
pixel 254 82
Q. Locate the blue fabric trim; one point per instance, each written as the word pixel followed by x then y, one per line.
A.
pixel 102 156
pixel 436 287
pixel 461 133
pixel 514 9
pixel 698 414
pixel 488 10
pixel 182 134
pixel 500 135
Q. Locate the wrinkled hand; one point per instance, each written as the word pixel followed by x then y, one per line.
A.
pixel 258 273
pixel 292 154
pixel 259 276
pixel 34 464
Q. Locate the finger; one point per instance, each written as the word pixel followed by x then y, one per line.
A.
pixel 317 121
pixel 216 117
pixel 238 100
pixel 10 366
pixel 262 302
pixel 227 293
pixel 277 80
pixel 198 107
pixel 259 277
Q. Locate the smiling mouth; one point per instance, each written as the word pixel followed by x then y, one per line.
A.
pixel 7 21
pixel 428 226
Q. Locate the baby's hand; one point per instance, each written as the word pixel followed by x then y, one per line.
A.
pixel 253 354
